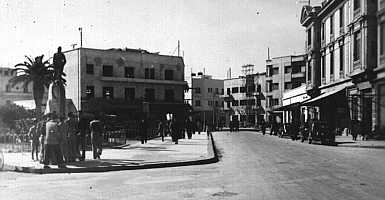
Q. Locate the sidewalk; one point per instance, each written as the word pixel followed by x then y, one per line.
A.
pixel 347 141
pixel 154 154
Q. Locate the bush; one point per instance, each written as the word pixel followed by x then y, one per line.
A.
pixel 11 112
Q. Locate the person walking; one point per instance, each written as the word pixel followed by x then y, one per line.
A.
pixel 83 127
pixel 143 131
pixel 174 127
pixel 263 126
pixel 97 130
pixel 72 129
pixel 161 130
pixel 52 150
pixel 189 127
pixel 64 140
pixel 33 134
pixel 355 129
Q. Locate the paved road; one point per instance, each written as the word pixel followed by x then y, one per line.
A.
pixel 252 166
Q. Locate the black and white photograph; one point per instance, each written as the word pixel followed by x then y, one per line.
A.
pixel 192 99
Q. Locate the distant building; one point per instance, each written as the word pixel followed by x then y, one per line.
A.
pixel 9 94
pixel 244 99
pixel 341 50
pixel 125 82
pixel 206 98
pixel 379 80
pixel 282 74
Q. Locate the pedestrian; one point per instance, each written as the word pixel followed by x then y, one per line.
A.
pixel 33 134
pixel 355 129
pixel 189 127
pixel 161 130
pixel 97 130
pixel 174 127
pixel 52 150
pixel 143 131
pixel 83 127
pixel 63 140
pixel 41 132
pixel 72 129
pixel 263 126
pixel 199 126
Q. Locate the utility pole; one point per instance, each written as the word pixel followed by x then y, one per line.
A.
pixel 178 48
pixel 81 36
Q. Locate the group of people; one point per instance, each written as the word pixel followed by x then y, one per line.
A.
pixel 178 129
pixel 59 140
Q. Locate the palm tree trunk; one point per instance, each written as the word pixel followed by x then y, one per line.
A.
pixel 38 93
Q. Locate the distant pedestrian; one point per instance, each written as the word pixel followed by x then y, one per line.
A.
pixel 189 127
pixel 33 134
pixel 263 126
pixel 161 130
pixel 52 150
pixel 355 129
pixel 71 133
pixel 41 129
pixel 83 127
pixel 97 131
pixel 143 131
pixel 175 130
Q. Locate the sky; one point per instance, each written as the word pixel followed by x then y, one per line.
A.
pixel 214 35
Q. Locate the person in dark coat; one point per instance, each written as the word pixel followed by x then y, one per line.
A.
pixel 97 131
pixel 83 127
pixel 189 127
pixel 175 130
pixel 263 126
pixel 52 150
pixel 161 129
pixel 143 131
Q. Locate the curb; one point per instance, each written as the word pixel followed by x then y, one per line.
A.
pixel 212 158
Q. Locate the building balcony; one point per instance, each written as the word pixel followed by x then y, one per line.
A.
pixel 139 80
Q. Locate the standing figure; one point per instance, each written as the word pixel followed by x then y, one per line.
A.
pixel 52 150
pixel 189 127
pixel 59 60
pixel 97 130
pixel 263 126
pixel 33 134
pixel 71 125
pixel 199 126
pixel 84 130
pixel 143 131
pixel 174 127
pixel 161 129
pixel 41 132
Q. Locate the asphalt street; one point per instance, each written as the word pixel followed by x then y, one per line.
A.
pixel 251 166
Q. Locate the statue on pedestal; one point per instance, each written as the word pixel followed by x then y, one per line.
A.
pixel 56 93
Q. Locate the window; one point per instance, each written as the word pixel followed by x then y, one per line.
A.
pixel 210 103
pixel 357 4
pixel 149 73
pixel 108 92
pixel 259 88
pixel 90 91
pixel 197 103
pixel 341 58
pixel 235 103
pixel 323 31
pixel 216 91
pixel 209 90
pixel 309 37
pixel 332 24
pixel 228 91
pixel 234 90
pixel 269 70
pixel 323 66
pixel 275 86
pixel 228 104
pixel 197 90
pixel 129 72
pixel 331 62
pixel 242 89
pixel 149 94
pixel 382 38
pixel 342 17
pixel 6 73
pixel 275 102
pixel 108 70
pixel 129 94
pixel 287 69
pixel 251 88
pixel 168 74
pixel 357 46
pixel 275 70
pixel 7 87
pixel 251 102
pixel 288 86
pixel 25 89
pixel 222 91
pixel 216 103
pixel 89 69
pixel 169 95
pixel 243 102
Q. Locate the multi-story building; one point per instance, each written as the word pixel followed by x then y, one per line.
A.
pixel 379 80
pixel 341 53
pixel 126 82
pixel 244 99
pixel 9 93
pixel 206 98
pixel 282 74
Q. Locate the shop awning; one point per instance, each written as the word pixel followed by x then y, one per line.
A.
pixel 323 96
pixel 288 107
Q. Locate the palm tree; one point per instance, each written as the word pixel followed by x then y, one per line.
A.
pixel 36 71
